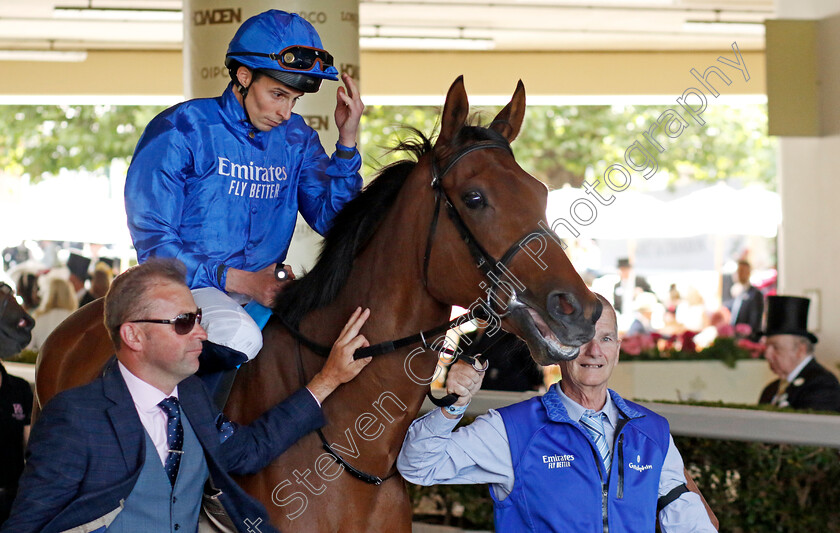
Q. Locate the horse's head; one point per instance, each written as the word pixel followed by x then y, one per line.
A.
pixel 15 324
pixel 489 243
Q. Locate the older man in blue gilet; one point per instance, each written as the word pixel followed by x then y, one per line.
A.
pixel 142 448
pixel 578 459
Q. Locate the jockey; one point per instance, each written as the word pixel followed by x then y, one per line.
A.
pixel 217 182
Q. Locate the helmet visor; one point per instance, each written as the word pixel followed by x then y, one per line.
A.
pixel 297 58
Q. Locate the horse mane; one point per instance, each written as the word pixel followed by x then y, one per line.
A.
pixel 356 223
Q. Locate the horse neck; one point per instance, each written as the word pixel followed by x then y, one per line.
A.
pixel 387 278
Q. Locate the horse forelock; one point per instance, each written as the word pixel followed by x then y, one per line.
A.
pixel 356 223
pixel 468 134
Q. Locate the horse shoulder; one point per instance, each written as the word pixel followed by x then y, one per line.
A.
pixel 74 353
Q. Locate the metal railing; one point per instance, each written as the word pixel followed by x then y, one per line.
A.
pixel 710 422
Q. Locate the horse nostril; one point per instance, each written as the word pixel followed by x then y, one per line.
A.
pixel 562 304
pixel 596 312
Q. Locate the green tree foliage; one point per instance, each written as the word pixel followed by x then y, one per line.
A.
pixel 558 144
pixel 566 144
pixel 42 139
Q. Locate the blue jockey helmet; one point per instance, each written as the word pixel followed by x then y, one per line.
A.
pixel 283 46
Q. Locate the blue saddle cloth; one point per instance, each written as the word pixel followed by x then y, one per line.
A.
pixel 258 312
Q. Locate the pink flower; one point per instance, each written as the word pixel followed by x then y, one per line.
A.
pixel 743 330
pixel 687 344
pixel 647 342
pixel 755 348
pixel 631 345
pixel 725 330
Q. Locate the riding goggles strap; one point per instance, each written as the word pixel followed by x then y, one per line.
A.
pixel 300 58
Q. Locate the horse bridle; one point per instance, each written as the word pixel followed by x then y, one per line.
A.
pixel 492 269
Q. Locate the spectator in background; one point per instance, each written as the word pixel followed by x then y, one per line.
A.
pixel 15 255
pixel 15 409
pixel 803 383
pixel 99 284
pixel 27 289
pixel 78 266
pixel 692 312
pixel 747 303
pixel 59 304
pixel 644 306
pixel 670 325
pixel 628 287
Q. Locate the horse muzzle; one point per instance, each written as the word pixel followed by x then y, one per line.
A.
pixel 555 333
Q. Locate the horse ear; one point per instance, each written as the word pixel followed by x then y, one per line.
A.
pixel 455 111
pixel 509 120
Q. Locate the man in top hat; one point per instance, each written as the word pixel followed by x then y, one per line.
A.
pixel 78 266
pixel 625 290
pixel 803 383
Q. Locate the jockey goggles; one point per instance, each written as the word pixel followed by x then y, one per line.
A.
pixel 183 323
pixel 300 58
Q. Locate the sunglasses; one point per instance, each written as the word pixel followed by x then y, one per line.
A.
pixel 303 58
pixel 183 323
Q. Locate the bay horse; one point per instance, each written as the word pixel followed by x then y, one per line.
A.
pixel 15 323
pixel 422 237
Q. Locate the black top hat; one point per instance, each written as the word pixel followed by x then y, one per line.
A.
pixel 109 261
pixel 788 315
pixel 623 262
pixel 78 265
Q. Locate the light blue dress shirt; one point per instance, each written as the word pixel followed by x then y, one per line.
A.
pixel 433 454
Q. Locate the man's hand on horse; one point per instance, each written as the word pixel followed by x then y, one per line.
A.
pixel 262 285
pixel 340 366
pixel 348 111
pixel 464 380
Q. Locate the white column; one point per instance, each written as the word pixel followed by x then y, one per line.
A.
pixel 209 25
pixel 809 183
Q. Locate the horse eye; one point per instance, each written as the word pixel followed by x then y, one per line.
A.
pixel 474 200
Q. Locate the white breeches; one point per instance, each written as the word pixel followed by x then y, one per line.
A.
pixel 227 323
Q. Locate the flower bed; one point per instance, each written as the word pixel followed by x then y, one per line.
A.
pixel 723 343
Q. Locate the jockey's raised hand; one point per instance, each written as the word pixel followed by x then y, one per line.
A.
pixel 348 111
